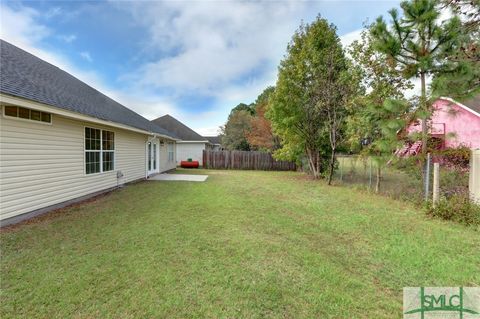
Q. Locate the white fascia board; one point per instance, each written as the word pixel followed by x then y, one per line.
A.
pixel 176 140
pixel 200 142
pixel 18 101
pixel 466 108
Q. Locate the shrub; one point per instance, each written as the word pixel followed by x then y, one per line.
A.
pixel 455 158
pixel 458 208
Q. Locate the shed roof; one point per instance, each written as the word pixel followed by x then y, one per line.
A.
pixel 473 103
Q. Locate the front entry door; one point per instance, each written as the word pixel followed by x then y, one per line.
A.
pixel 152 157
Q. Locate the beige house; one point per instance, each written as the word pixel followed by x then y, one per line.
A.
pixel 62 141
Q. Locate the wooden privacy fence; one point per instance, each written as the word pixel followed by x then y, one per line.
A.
pixel 244 160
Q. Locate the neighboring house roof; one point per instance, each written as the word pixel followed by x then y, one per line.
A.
pixel 27 76
pixel 214 139
pixel 179 129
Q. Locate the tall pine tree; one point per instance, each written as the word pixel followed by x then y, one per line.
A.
pixel 417 43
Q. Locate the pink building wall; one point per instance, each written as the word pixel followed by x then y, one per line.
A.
pixel 461 127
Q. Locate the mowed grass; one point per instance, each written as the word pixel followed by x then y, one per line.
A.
pixel 241 245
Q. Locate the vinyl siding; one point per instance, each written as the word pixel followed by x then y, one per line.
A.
pixel 43 165
pixel 190 150
pixel 166 165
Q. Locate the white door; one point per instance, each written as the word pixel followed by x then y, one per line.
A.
pixel 153 157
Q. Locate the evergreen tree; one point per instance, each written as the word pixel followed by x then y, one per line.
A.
pixel 417 43
pixel 460 78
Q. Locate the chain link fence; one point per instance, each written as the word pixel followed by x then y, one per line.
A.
pixel 400 178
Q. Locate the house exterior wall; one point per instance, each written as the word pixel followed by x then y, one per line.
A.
pixel 43 165
pixel 461 126
pixel 190 150
pixel 165 164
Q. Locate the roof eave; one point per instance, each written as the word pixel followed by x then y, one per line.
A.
pixel 20 101
pixel 463 106
pixel 186 141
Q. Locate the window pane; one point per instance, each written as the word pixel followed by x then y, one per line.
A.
pixel 154 156
pixel 149 156
pixel 11 111
pixel 96 162
pixel 92 162
pixel 23 113
pixel 92 139
pixel 46 117
pixel 108 161
pixel 35 115
pixel 87 163
pixel 107 140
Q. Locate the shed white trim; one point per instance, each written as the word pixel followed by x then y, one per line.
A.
pixel 466 108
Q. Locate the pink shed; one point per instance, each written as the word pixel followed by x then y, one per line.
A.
pixel 456 123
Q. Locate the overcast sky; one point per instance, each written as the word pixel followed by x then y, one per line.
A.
pixel 194 60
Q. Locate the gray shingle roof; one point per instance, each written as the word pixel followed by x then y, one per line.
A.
pixel 214 139
pixel 178 128
pixel 27 76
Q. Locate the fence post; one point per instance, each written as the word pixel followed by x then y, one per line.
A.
pixel 474 176
pixel 341 169
pixel 370 175
pixel 427 178
pixel 436 183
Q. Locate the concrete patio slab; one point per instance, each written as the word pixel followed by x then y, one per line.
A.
pixel 179 177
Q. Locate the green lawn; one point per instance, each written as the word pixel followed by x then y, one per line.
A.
pixel 241 245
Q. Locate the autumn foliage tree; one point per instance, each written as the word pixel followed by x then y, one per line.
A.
pixel 261 136
pixel 234 132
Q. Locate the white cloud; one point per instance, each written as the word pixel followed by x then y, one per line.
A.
pixel 214 43
pixel 86 55
pixel 228 51
pixel 350 37
pixel 53 12
pixel 21 28
pixel 68 38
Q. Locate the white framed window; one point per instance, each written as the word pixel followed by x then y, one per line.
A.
pixel 171 154
pixel 23 113
pixel 99 150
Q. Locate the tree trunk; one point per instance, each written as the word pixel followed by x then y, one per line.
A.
pixel 331 167
pixel 425 109
pixel 312 162
pixel 379 176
